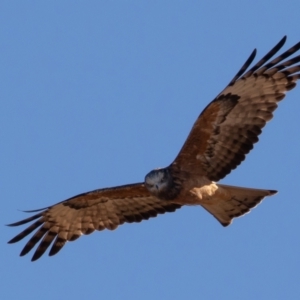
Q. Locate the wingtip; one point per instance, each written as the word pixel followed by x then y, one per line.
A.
pixel 282 41
pixel 253 54
pixel 33 259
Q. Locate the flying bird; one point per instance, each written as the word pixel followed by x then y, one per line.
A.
pixel 222 135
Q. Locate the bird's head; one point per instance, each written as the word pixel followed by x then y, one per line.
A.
pixel 160 183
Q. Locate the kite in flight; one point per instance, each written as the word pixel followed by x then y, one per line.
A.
pixel 219 140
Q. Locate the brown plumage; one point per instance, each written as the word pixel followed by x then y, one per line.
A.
pixel 222 135
pixel 85 213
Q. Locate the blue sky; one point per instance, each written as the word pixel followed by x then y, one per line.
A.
pixel 98 93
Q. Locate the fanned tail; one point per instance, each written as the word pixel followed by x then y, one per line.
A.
pixel 231 202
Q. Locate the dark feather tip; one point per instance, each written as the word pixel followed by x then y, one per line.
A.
pixel 273 192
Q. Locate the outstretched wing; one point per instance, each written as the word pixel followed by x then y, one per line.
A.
pixel 85 213
pixel 229 126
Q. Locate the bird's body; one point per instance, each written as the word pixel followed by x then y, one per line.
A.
pixel 221 137
pixel 224 202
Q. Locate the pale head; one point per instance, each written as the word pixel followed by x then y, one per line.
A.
pixel 160 183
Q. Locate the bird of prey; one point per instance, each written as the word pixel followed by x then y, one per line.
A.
pixel 222 135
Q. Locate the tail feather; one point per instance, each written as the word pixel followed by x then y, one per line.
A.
pixel 231 202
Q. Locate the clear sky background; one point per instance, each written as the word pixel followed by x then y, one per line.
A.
pixel 96 94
